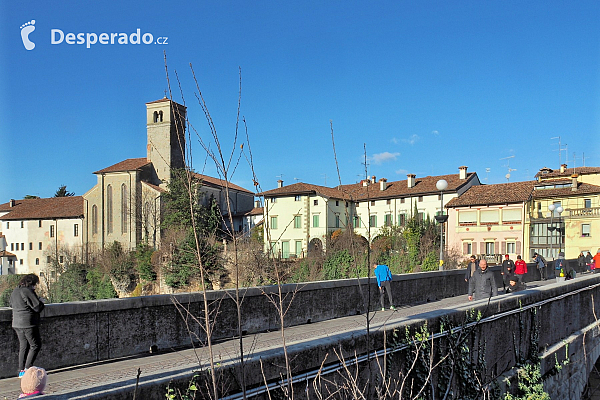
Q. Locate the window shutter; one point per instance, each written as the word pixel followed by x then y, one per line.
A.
pixel 503 247
pixel 497 246
pixel 518 247
pixel 465 247
pixel 482 248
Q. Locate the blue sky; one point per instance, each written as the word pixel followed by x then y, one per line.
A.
pixel 425 86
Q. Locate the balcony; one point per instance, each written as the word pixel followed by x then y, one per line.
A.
pixel 585 212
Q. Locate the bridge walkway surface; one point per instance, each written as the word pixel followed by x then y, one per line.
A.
pixel 97 380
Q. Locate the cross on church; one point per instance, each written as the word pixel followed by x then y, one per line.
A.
pixel 165 93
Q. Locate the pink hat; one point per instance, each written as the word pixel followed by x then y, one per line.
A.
pixel 34 380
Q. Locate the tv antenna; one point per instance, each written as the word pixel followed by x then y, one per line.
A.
pixel 487 174
pixel 507 176
pixel 561 149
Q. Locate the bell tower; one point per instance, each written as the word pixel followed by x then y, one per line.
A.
pixel 166 138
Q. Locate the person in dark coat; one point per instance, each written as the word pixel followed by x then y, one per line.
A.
pixel 471 268
pixel 508 270
pixel 482 284
pixel 541 265
pixel 514 285
pixel 27 307
pixel 581 262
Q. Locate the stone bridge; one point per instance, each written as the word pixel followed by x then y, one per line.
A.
pixel 93 349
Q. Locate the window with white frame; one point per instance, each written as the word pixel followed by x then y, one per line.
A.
pixel 273 222
pixel 585 230
pixel 511 247
pixel 490 248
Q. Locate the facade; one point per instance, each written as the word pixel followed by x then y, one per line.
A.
pixel 299 218
pixel 577 228
pixel 489 221
pixel 37 231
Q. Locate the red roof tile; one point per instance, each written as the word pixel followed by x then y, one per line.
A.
pixel 131 164
pixel 582 189
pixel 163 100
pixel 157 188
pixel 5 253
pixel 513 192
pixel 255 211
pixel 53 207
pixel 569 171
pixel 307 188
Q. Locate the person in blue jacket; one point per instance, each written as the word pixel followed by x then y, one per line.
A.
pixel 27 307
pixel 384 277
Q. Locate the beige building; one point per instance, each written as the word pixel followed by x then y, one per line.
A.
pixel 577 192
pixel 300 217
pixel 37 231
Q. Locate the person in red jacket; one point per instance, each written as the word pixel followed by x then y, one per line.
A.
pixel 520 269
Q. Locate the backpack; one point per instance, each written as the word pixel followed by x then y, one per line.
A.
pixel 559 264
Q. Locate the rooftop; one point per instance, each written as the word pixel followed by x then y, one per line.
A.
pixel 503 193
pixel 131 164
pixel 53 207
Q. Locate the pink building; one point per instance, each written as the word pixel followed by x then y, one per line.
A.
pixel 489 220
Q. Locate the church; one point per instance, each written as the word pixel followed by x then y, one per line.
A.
pixel 126 202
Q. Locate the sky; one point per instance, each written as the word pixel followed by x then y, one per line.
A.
pixel 406 87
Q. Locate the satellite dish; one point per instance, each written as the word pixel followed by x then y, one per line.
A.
pixel 507 176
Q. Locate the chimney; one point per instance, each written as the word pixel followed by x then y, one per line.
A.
pixel 382 184
pixel 279 183
pixel 462 172
pixel 365 182
pixel 373 179
pixel 574 182
pixel 11 203
pixel 257 203
pixel 411 180
pixel 563 168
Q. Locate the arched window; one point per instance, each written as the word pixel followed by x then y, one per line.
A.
pixel 109 209
pixel 160 116
pixel 94 219
pixel 155 119
pixel 124 208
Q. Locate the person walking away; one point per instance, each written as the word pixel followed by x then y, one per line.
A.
pixel 27 307
pixel 482 284
pixel 520 269
pixel 471 268
pixel 508 270
pixel 541 265
pixel 384 277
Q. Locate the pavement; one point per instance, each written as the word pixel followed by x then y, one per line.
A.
pixel 86 381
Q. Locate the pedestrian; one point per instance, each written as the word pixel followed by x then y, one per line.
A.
pixel 33 382
pixel 596 259
pixel 560 265
pixel 471 268
pixel 26 307
pixel 588 261
pixel 514 285
pixel 482 284
pixel 541 265
pixel 384 277
pixel 508 270
pixel 520 269
pixel 581 261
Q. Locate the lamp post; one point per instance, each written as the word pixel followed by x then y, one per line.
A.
pixel 551 228
pixel 559 210
pixel 441 185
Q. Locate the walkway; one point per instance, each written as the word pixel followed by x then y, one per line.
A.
pixel 86 381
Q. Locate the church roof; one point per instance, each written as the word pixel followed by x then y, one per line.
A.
pixel 215 182
pixel 53 207
pixel 131 164
pixel 157 188
pixel 163 100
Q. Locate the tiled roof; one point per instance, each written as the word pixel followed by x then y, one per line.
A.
pixel 163 100
pixel 569 171
pixel 5 207
pixel 513 192
pixel 210 181
pixel 53 207
pixel 307 188
pixel 5 253
pixel 582 188
pixel 131 164
pixel 256 211
pixel 358 192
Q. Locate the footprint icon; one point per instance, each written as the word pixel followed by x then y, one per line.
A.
pixel 26 29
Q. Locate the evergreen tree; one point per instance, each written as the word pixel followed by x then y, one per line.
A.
pixel 63 192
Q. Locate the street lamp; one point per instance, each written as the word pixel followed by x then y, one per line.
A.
pixel 559 210
pixel 551 228
pixel 441 185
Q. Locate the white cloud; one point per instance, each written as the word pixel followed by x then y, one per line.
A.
pixel 401 171
pixel 435 133
pixel 395 141
pixel 411 140
pixel 384 157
